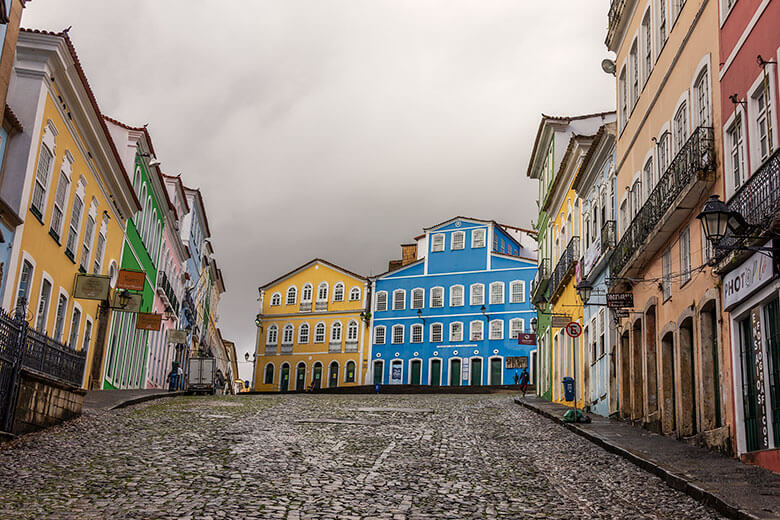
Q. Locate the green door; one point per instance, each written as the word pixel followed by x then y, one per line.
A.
pixel 436 372
pixel 379 368
pixel 333 376
pixel 476 372
pixel 455 372
pixel 284 383
pixel 300 378
pixel 317 379
pixel 495 371
pixel 416 369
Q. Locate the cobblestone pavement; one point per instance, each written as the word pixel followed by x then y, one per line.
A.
pixel 325 457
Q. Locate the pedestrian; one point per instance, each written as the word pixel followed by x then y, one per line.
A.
pixel 525 378
pixel 179 378
pixel 171 381
pixel 517 378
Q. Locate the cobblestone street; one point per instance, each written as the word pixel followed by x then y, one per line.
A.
pixel 325 456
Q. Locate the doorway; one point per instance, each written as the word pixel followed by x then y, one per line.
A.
pixel 476 372
pixel 317 376
pixel 668 404
pixel 379 368
pixel 455 372
pixel 333 375
pixel 300 378
pixel 416 372
pixel 284 381
pixel 687 398
pixel 495 371
pixel 436 372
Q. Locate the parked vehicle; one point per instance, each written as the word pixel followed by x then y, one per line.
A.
pixel 201 375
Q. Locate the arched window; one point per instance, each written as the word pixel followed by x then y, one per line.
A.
pixel 75 224
pixel 276 299
pixel 437 297
pixel 398 334
pixel 456 331
pixel 497 293
pixel 352 331
pixel 137 180
pixel 497 329
pixel 379 335
pixel 437 335
pixel 417 333
pixel 437 243
pixel 477 294
pixel 292 294
pixel 322 292
pixel 269 374
pixel 335 331
pixel 476 330
pixel 456 296
pixel 418 298
pixel 273 334
pixel 338 292
pixel 354 294
pixel 303 333
pixel 517 292
pixel 306 293
pixel 381 301
pixel 287 334
pixel 349 376
pixel 516 327
pixel 319 333
pixel 399 300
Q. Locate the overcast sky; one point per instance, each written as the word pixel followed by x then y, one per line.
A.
pixel 338 128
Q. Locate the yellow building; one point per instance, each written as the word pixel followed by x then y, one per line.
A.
pixel 74 194
pixel 312 329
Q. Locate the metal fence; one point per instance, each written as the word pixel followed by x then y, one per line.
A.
pixel 565 265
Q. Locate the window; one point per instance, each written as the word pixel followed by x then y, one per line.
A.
pixel 322 292
pixel 701 91
pixel 381 301
pixel 335 331
pixel 338 292
pixel 89 231
pixel 43 306
pixel 417 333
pixel 41 180
pixel 292 294
pixel 516 327
pixel 633 64
pixel 497 329
pixel 476 331
pixel 661 24
pixel 496 293
pixel 477 294
pixel 306 293
pixel 648 178
pixel 349 376
pixel 636 198
pixel 680 127
pixel 418 298
pixel 623 98
pixel 398 334
pixel 676 8
pixel 437 335
pixel 276 299
pixel 100 248
pixel 269 374
pixel 736 155
pixel 287 334
pixel 75 322
pixel 478 238
pixel 647 48
pixel 352 331
pixel 319 333
pixel 75 224
pixel 354 294
pixel 59 321
pixel 763 122
pixel 87 335
pixel 437 242
pixel 663 154
pixel 399 300
pixel 685 255
pixel 517 292
pixel 273 335
pixel 459 240
pixel 707 252
pixel 303 333
pixel 379 335
pixel 59 205
pixel 456 296
pixel 667 274
pixel 437 297
pixel 23 295
pixel 456 331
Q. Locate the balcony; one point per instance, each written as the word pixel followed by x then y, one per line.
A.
pixel 608 236
pixel 334 346
pixel 351 346
pixel 321 306
pixel 305 307
pixel 287 348
pixel 678 194
pixel 270 349
pixel 617 8
pixel 540 281
pixel 166 293
pixel 565 266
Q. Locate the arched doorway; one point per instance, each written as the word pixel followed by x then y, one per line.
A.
pixel 455 372
pixel 651 360
pixel 668 405
pixel 284 379
pixel 476 372
pixel 333 375
pixel 687 395
pixel 269 374
pixel 317 376
pixel 300 377
pixel 637 393
pixel 710 367
pixel 625 376
pixel 435 372
pixel 349 377
pixel 416 371
pixel 379 370
pixel 495 371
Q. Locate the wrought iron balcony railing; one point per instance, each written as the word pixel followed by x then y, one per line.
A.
pixel 540 281
pixel 305 307
pixel 696 158
pixel 287 348
pixel 334 346
pixel 608 236
pixel 321 306
pixel 351 346
pixel 270 349
pixel 565 265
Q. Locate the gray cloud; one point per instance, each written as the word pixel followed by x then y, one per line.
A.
pixel 338 128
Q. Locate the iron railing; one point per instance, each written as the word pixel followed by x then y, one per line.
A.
pixel 270 349
pixel 321 306
pixel 287 348
pixel 608 236
pixel 565 264
pixel 616 9
pixel 164 284
pixel 351 346
pixel 539 283
pixel 53 359
pixel 695 157
pixel 334 346
pixel 305 307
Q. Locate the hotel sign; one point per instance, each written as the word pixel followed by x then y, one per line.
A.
pixel 526 339
pixel 746 279
pixel 621 300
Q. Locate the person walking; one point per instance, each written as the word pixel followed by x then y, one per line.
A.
pixel 517 378
pixel 525 378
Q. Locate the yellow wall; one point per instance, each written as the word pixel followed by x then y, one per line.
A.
pixel 44 251
pixel 311 352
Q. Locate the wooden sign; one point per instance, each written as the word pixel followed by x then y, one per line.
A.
pixel 148 321
pixel 526 339
pixel 130 302
pixel 92 287
pixel 132 280
pixel 177 336
pixel 560 320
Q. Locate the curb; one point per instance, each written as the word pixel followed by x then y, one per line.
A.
pixel 144 398
pixel 672 480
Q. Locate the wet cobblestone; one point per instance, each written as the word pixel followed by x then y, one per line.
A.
pixel 326 457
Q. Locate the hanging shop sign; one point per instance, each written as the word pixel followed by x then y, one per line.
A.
pixel 746 279
pixel 526 339
pixel 148 321
pixel 560 320
pixel 92 287
pixel 758 371
pixel 126 302
pixel 177 336
pixel 621 313
pixel 132 280
pixel 620 300
pixel 516 362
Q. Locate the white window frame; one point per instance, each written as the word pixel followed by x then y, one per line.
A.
pixel 453 336
pixel 352 330
pixel 354 294
pixel 307 288
pixel 415 328
pixel 497 301
pixel 272 335
pixel 476 242
pixel 377 336
pixel 421 292
pixel 294 291
pixel 397 339
pixel 516 327
pixel 303 333
pixel 320 328
pixel 437 242
pixel 735 123
pixel 476 330
pixel 472 299
pixel 512 286
pixel 453 290
pixel 288 329
pixel 320 296
pixel 754 137
pixel 685 255
pixel 336 331
pixel 646 37
pixel 396 306
pixel 276 297
pixel 458 240
pixel 433 337
pixel 434 290
pixel 494 333
pixel 336 296
pixel 703 74
pixel 379 306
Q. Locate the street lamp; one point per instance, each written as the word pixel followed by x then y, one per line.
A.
pixel 484 312
pixel 584 290
pixel 717 219
pixel 419 315
pixel 259 322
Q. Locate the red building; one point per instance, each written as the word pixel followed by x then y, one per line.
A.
pixel 749 79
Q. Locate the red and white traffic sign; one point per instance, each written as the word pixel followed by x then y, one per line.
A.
pixel 574 329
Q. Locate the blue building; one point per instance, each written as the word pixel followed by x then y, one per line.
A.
pixel 453 310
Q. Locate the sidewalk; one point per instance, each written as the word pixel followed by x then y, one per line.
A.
pixel 100 400
pixel 733 488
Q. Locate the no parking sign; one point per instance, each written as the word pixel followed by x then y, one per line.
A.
pixel 573 329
